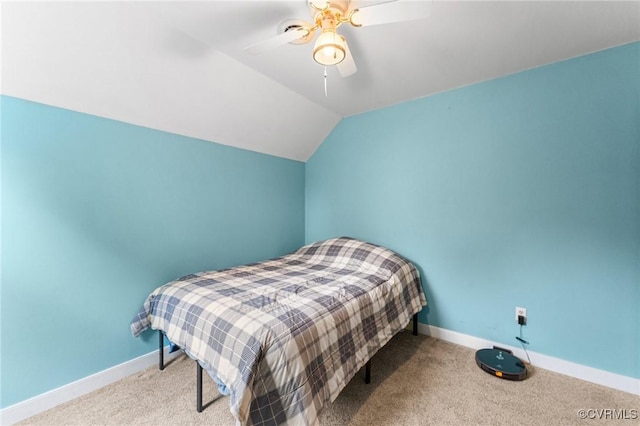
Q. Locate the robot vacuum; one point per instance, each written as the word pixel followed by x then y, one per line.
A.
pixel 501 363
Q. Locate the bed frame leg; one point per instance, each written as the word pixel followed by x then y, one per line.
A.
pixel 198 387
pixel 367 366
pixel 161 350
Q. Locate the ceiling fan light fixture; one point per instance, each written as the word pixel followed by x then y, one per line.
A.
pixel 330 48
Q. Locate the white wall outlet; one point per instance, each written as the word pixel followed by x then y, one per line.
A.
pixel 521 312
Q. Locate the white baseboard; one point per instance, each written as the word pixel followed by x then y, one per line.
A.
pixel 40 403
pixel 48 400
pixel 557 365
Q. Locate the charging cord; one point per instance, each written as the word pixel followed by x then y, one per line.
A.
pixel 523 342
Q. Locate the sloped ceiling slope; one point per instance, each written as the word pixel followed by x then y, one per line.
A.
pixel 119 60
pixel 181 67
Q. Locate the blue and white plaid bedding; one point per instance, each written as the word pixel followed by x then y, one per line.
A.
pixel 286 335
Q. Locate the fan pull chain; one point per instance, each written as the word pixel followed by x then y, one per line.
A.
pixel 325 81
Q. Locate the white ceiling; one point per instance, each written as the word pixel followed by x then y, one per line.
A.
pixel 181 66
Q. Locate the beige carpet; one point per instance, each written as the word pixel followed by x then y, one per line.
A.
pixel 416 380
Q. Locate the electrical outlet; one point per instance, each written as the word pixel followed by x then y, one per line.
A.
pixel 521 312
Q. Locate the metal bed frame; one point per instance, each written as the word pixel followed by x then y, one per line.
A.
pixel 367 367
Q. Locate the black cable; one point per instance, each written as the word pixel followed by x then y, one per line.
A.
pixel 523 342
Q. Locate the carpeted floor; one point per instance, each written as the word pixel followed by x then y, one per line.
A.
pixel 416 380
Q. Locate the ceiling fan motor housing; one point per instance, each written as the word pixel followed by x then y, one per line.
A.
pixel 340 6
pixel 322 11
pixel 325 15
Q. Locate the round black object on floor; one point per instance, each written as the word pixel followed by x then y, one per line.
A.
pixel 501 363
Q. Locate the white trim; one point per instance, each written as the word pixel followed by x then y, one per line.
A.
pixel 40 403
pixel 557 365
pixel 48 400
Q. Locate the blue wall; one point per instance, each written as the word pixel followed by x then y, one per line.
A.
pixel 97 213
pixel 521 191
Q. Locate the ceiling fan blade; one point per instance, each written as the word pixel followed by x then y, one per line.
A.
pixel 397 11
pixel 348 66
pixel 277 41
pixel 361 4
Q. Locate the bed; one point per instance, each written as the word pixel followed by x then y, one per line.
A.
pixel 284 336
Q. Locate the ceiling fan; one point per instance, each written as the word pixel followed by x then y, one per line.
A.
pixel 327 15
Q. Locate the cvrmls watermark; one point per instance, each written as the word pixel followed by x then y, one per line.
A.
pixel 608 414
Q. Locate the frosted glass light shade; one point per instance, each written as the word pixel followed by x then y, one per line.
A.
pixel 329 48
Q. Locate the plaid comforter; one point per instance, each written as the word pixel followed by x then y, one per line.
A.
pixel 286 335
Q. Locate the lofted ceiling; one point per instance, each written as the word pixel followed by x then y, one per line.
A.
pixel 181 66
